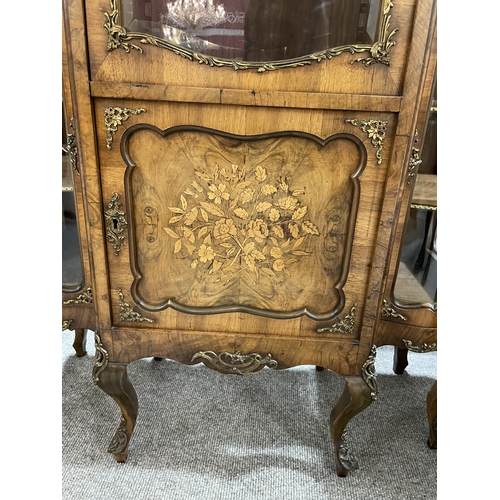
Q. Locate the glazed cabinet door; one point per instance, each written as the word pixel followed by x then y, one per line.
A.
pixel 409 311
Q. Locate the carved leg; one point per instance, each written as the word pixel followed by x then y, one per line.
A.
pixel 113 380
pixel 400 360
pixel 356 397
pixel 80 342
pixel 432 416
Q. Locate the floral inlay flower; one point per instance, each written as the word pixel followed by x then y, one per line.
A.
pixel 225 228
pixel 233 221
pixel 206 253
pixel 218 193
pixel 258 229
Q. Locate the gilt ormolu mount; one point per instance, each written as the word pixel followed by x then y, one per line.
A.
pixel 120 37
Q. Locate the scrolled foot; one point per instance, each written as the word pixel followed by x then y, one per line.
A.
pixel 119 443
pixel 356 396
pixel 113 380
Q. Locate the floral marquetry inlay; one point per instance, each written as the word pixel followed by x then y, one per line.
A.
pixel 224 223
pixel 240 221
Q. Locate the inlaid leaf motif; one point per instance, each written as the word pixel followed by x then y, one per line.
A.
pixel 191 216
pixel 278 231
pixel 241 213
pixel 202 232
pixel 212 209
pixel 260 173
pixel 176 210
pixel 299 213
pixel 309 228
pixel 171 233
pixel 294 230
pixel 175 219
pixel 204 214
pixel 234 220
pixel 183 203
pixel 268 189
pixel 263 206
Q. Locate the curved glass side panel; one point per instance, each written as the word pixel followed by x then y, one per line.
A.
pixel 416 282
pixel 261 34
pixel 72 271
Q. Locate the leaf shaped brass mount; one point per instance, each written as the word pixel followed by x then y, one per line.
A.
pixel 414 162
pixel 346 325
pixel 368 373
pixel 420 349
pixel 127 313
pixel 388 312
pixel 100 360
pixel 67 324
pixel 72 148
pixel 114 117
pixel 119 37
pixel 376 130
pixel 115 223
pixel 237 363
pixel 84 298
pixel 345 456
pixel 120 439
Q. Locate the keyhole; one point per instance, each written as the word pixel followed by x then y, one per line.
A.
pixel 115 224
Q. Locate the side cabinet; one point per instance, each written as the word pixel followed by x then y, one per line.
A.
pixel 243 176
pixel 78 313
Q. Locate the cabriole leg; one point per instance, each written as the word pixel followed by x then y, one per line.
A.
pixel 355 398
pixel 432 416
pixel 400 360
pixel 113 380
pixel 80 342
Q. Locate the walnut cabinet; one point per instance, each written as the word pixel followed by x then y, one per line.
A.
pixel 244 166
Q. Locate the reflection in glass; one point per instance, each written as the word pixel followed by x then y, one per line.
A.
pixel 416 281
pixel 255 30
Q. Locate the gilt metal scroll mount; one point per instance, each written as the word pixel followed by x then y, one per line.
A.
pixel 389 312
pixel 100 360
pixel 376 130
pixel 346 325
pixel 237 363
pixel 128 314
pixel 368 373
pixel 114 117
pixel 120 38
pixel 115 223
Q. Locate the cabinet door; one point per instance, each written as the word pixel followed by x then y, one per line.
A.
pixel 250 218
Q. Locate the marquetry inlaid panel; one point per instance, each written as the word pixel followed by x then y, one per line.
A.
pixel 224 223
